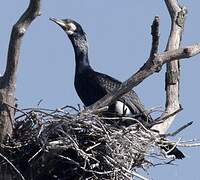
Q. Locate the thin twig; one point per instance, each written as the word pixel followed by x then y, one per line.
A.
pixel 162 118
pixel 179 130
pixel 92 147
pixel 35 155
pixel 19 110
pixel 13 166
pixel 71 107
pixel 188 145
pixel 169 115
pixel 174 146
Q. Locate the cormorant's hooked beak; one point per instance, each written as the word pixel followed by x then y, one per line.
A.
pixel 61 23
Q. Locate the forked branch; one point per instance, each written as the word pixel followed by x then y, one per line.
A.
pixel 172 82
pixel 151 66
pixel 155 63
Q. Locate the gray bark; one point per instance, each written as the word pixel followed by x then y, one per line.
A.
pixel 8 80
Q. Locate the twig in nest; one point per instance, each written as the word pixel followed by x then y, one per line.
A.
pixel 163 118
pixel 169 115
pixel 92 147
pixel 100 110
pixel 178 130
pixel 188 145
pixel 13 166
pixel 126 170
pixel 35 155
pixel 104 129
pixel 165 163
pixel 174 146
pixel 19 110
pixel 71 107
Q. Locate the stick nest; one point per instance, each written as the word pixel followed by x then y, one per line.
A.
pixel 64 145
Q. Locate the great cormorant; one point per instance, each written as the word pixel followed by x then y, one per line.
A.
pixel 92 86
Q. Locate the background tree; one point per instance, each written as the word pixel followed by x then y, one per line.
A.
pixel 8 80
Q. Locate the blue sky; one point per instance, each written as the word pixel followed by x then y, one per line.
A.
pixel 119 43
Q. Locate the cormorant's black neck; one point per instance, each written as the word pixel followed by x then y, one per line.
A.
pixel 81 53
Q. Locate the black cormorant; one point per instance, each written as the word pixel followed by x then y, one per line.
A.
pixel 92 86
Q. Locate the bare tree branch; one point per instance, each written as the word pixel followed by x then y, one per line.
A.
pixel 155 36
pixel 179 129
pixel 8 80
pixel 155 62
pixel 13 166
pixel 151 66
pixel 177 14
pixel 17 34
pixel 163 118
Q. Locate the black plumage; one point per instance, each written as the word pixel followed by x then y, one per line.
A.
pixel 92 86
pixel 173 151
pixel 95 85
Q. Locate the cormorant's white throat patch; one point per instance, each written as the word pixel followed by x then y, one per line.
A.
pixel 72 28
pixel 122 109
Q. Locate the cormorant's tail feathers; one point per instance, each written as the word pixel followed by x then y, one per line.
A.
pixel 173 151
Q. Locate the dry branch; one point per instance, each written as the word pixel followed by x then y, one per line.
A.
pixel 151 66
pixel 155 36
pixel 172 80
pixel 8 80
pixel 155 63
